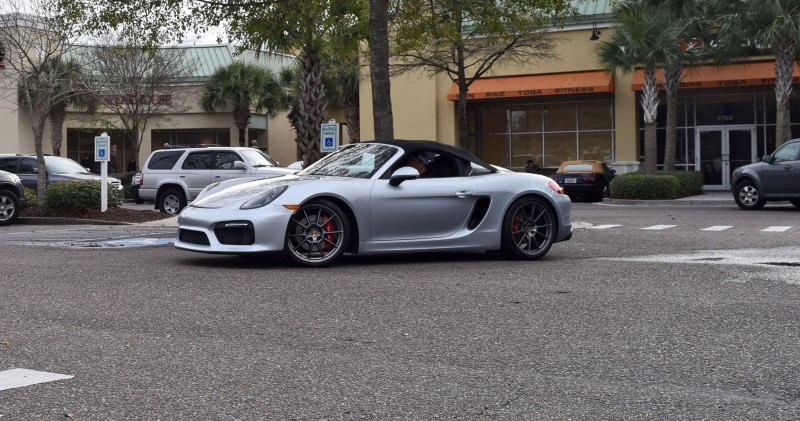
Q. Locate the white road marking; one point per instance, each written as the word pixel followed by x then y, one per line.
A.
pixel 717 228
pixel 659 227
pixel 776 229
pixel 21 377
pixel 606 226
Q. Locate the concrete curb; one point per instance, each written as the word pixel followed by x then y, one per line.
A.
pixel 44 220
pixel 676 202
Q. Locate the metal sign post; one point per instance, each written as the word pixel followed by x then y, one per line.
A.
pixel 102 153
pixel 329 136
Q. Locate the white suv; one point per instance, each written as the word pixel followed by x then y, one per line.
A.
pixel 172 177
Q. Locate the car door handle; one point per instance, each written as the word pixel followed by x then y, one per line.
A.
pixel 217 176
pixel 462 194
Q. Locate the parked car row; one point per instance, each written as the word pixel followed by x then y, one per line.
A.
pixel 57 168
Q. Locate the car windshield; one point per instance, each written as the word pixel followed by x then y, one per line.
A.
pixel 357 161
pixel 578 168
pixel 59 165
pixel 256 158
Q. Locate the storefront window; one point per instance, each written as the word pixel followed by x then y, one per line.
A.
pixel 560 117
pixel 559 147
pixel 595 115
pixel 526 120
pixel 725 110
pixel 159 138
pixel 546 133
pixel 595 145
pixel 525 147
pixel 495 149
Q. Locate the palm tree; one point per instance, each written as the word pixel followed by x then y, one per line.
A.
pixel 65 92
pixel 773 25
pixel 645 35
pixel 690 52
pixel 70 97
pixel 243 87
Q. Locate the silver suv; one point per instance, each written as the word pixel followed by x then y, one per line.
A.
pixel 776 177
pixel 172 177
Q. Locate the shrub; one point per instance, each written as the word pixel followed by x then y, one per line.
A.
pixel 644 186
pixel 77 196
pixel 30 198
pixel 690 183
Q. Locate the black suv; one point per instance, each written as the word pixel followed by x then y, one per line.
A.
pixel 776 177
pixel 11 197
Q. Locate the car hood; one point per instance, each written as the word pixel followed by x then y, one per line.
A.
pixel 272 170
pixel 238 191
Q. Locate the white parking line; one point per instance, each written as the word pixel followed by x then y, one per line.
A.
pixel 20 377
pixel 606 226
pixel 776 228
pixel 717 228
pixel 659 227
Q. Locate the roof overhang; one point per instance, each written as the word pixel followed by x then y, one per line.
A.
pixel 572 83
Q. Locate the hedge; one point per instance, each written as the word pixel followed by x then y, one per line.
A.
pixel 77 196
pixel 662 185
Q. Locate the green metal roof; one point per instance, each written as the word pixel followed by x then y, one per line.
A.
pixel 591 9
pixel 206 59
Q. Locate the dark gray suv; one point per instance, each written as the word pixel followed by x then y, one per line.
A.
pixel 776 177
pixel 58 169
pixel 11 197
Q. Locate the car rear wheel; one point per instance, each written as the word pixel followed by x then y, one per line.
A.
pixel 529 229
pixel 9 207
pixel 317 234
pixel 172 201
pixel 747 196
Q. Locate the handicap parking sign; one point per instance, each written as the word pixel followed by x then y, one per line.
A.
pixel 329 137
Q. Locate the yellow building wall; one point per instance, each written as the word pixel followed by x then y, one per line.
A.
pixel 421 109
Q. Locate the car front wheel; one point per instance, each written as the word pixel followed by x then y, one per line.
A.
pixel 9 207
pixel 747 196
pixel 529 229
pixel 317 234
pixel 172 201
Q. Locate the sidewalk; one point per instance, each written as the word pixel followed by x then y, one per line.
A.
pixel 714 198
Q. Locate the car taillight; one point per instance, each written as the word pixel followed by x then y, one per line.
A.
pixel 588 177
pixel 556 188
pixel 141 181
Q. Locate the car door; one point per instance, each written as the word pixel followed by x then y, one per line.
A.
pixel 424 208
pixel 28 172
pixel 224 167
pixel 782 176
pixel 195 172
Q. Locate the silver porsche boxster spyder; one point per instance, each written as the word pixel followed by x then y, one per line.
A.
pixel 381 197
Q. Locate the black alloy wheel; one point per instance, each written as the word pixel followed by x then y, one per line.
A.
pixel 529 229
pixel 317 234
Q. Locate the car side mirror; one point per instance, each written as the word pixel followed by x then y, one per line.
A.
pixel 768 159
pixel 403 174
pixel 239 165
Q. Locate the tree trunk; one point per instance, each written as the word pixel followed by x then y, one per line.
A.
pixel 461 114
pixel 784 64
pixel 241 118
pixel 57 116
pixel 673 79
pixel 38 119
pixel 650 112
pixel 353 119
pixel 379 69
pixel 311 107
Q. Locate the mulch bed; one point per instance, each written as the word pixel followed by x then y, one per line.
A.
pixel 112 214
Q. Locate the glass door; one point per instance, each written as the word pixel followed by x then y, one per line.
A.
pixel 720 150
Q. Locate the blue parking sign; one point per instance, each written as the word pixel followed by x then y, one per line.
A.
pixel 328 142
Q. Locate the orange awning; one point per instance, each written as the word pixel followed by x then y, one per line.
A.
pixel 747 74
pixel 537 85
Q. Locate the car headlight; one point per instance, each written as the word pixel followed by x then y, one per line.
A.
pixel 264 198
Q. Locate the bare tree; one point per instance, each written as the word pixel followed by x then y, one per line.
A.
pixel 33 38
pixel 134 85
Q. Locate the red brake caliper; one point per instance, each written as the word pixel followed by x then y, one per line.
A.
pixel 328 226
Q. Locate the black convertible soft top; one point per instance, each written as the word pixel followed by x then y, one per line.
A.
pixel 415 146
